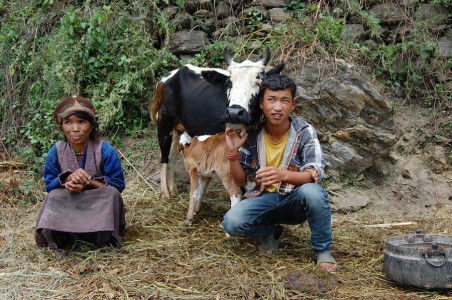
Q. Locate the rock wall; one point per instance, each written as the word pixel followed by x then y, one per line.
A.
pixel 395 19
pixel 354 120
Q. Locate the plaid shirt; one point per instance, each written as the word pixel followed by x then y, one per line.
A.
pixel 302 152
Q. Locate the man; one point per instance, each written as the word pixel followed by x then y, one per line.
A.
pixel 284 155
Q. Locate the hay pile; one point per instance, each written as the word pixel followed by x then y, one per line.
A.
pixel 164 259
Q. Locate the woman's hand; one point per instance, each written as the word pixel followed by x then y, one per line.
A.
pixel 234 140
pixel 79 180
pixel 74 188
pixel 79 177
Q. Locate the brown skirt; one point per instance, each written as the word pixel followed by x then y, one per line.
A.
pixel 95 216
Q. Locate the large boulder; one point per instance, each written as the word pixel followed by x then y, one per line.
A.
pixel 187 42
pixel 352 118
pixel 389 13
pixel 432 14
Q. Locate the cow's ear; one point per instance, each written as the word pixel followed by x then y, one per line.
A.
pixel 276 70
pixel 214 77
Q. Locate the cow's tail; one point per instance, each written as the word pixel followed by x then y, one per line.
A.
pixel 157 101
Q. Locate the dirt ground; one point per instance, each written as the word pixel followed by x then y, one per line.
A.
pixel 413 180
pixel 162 258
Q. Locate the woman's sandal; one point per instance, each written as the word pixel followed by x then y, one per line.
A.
pixel 269 245
pixel 326 257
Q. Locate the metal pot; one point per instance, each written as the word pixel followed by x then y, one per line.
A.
pixel 420 260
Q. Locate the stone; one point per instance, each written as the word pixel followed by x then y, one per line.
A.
pixel 269 3
pixel 353 32
pixel 410 3
pixel 193 5
pixel 171 11
pixel 187 42
pixel 222 10
pixel 406 174
pixel 182 20
pixel 278 15
pixel 432 14
pixel 347 203
pixel 445 44
pixel 389 13
pixel 353 120
pixel 202 14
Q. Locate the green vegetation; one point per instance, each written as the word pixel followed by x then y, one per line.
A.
pixel 104 52
pixel 114 52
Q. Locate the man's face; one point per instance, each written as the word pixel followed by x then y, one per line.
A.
pixel 277 106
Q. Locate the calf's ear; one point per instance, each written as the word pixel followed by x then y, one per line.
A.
pixel 214 77
pixel 276 69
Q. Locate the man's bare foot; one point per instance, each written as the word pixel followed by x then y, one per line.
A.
pixel 330 267
pixel 325 261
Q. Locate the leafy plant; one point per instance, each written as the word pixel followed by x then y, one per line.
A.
pixel 253 20
pixel 329 30
pixel 101 53
pixel 295 5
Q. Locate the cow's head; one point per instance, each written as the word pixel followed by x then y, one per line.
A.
pixel 243 89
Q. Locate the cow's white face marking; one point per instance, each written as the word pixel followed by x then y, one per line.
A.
pixel 245 79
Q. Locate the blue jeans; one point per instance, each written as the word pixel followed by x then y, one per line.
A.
pixel 257 217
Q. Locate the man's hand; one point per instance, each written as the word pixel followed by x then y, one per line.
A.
pixel 269 175
pixel 234 140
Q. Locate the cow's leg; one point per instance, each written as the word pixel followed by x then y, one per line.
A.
pixel 164 129
pixel 172 160
pixel 164 181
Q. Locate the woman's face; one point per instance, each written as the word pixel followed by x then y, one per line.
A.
pixel 77 130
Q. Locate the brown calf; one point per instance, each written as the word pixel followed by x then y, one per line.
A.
pixel 203 157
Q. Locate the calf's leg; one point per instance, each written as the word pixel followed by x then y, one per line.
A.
pixel 198 185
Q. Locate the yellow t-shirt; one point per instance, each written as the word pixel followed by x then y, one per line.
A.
pixel 274 155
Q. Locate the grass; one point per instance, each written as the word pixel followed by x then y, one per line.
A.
pixel 162 258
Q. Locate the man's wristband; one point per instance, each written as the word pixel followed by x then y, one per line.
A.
pixel 233 157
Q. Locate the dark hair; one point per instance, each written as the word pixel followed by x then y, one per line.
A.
pixel 277 82
pixel 94 133
pixel 274 82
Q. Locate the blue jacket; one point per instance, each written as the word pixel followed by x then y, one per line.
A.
pixel 110 168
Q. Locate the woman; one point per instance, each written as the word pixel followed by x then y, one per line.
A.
pixel 84 181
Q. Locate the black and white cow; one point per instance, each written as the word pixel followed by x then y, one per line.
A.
pixel 201 101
